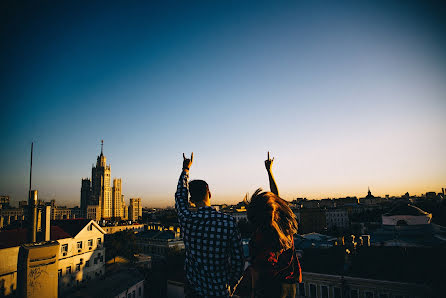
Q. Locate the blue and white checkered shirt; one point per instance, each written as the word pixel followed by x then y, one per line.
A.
pixel 214 255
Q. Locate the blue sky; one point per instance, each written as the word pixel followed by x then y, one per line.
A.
pixel 344 96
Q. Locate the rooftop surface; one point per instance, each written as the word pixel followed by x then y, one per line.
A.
pixel 110 285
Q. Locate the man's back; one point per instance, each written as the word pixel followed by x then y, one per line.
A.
pixel 214 255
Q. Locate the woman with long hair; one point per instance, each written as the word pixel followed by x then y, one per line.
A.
pixel 275 269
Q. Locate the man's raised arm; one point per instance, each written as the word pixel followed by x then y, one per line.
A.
pixel 182 193
pixel 272 182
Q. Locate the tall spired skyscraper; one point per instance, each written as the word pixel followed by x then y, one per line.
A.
pixel 100 185
pixel 98 198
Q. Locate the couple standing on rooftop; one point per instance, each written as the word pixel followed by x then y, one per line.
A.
pixel 214 262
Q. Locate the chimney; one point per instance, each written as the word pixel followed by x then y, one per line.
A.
pixel 32 216
pixel 47 223
pixel 442 191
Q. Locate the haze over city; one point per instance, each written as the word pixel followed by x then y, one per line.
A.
pixel 343 96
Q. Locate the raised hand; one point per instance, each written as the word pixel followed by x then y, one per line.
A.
pixel 269 163
pixel 272 182
pixel 187 163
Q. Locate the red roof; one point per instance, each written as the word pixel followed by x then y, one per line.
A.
pixel 60 229
pixel 70 226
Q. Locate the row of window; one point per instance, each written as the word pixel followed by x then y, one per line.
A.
pixel 337 292
pixel 99 258
pixel 64 247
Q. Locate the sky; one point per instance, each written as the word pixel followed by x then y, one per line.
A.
pixel 344 95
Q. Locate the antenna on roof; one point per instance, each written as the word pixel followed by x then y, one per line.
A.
pixel 31 168
pixel 102 146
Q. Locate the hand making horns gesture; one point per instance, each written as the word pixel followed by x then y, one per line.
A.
pixel 269 163
pixel 187 162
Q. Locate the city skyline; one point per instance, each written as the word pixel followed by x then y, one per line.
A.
pixel 344 96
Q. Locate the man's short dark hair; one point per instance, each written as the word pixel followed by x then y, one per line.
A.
pixel 198 190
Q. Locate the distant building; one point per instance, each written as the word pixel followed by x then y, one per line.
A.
pixel 371 200
pixel 122 284
pixel 119 228
pixel 117 198
pixel 94 212
pixel 135 209
pixel 99 192
pixel 125 210
pixel 408 226
pixel 310 203
pixel 405 215
pixel 159 243
pixel 85 194
pixel 347 200
pixel 10 215
pixel 101 188
pixel 4 201
pixel 312 220
pixel 337 218
pixel 326 203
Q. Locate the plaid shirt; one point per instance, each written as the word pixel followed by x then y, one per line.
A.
pixel 214 254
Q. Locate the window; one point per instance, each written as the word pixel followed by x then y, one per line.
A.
pixel 78 267
pixel 354 294
pixel 324 291
pixel 68 270
pixel 337 292
pixel 99 241
pixel 90 242
pixel 302 289
pixel 101 258
pixel 313 291
pixel 79 245
pixel 64 248
pixel 87 263
pixel 368 295
pixel 59 272
pixel 90 227
pixel 95 260
pixel 139 292
pixel 133 294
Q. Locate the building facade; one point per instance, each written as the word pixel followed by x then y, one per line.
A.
pixel 135 209
pixel 99 192
pixel 337 218
pixel 117 198
pixel 101 188
pixel 85 194
pixel 82 256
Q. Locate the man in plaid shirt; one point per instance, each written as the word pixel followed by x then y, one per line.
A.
pixel 214 256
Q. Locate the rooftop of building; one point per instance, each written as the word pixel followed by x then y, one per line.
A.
pixel 110 285
pixel 158 235
pixel 406 209
pixel 60 229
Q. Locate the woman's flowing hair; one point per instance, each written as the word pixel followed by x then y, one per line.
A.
pixel 269 212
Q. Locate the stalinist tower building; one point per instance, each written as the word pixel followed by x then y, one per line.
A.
pixel 100 199
pixel 100 185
